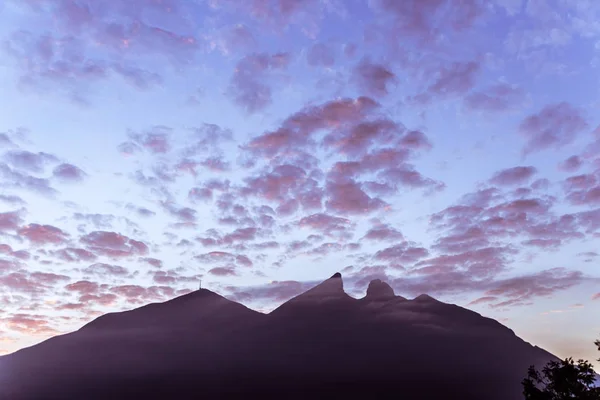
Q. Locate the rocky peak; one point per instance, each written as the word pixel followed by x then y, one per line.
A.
pixel 379 290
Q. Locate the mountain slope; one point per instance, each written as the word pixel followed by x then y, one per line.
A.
pixel 320 344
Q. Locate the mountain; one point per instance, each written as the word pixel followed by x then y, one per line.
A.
pixel 320 344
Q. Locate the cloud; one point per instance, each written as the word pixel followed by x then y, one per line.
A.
pixel 28 161
pixel 297 130
pixel 223 271
pixel 349 198
pixel 74 254
pixel 278 14
pixel 451 79
pixel 140 211
pixel 383 232
pixel 236 237
pixel 100 221
pixel 152 261
pixel 105 270
pixel 375 79
pixel 582 189
pixel 402 253
pixel 249 84
pixel 183 214
pixel 112 244
pixel 513 176
pixel 156 140
pixel 571 164
pixel 420 20
pixel 69 173
pixel 328 225
pixel 11 220
pixel 15 179
pixel 13 200
pixel 29 324
pixel 34 283
pixel 43 234
pixel 285 184
pixel 62 59
pixel 554 126
pixel 495 98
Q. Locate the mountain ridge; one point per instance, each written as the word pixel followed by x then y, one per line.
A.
pixel 302 347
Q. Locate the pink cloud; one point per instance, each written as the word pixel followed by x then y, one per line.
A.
pixel 31 283
pixel 543 283
pixel 156 140
pixel 249 87
pixel 43 234
pixel 407 176
pixel 277 14
pixel 349 198
pixel 457 78
pixel 582 189
pixel 29 324
pixel 403 253
pixel 223 271
pixel 571 164
pixel 383 232
pixel 513 176
pixel 72 254
pixel 327 224
pixel 453 79
pixel 10 221
pixel 200 194
pixel 420 20
pixel 585 197
pixel 152 261
pixel 375 79
pixel 69 173
pixel 83 287
pixel 113 244
pixel 359 138
pixel 484 299
pixel 64 58
pixel 136 294
pixel 554 126
pixel 297 130
pixel 216 164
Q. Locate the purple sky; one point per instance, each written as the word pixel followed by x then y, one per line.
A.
pixel 447 147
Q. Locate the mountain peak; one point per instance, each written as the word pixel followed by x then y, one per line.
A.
pixel 422 298
pixel 331 289
pixel 379 290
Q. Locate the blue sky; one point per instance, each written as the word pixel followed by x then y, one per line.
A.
pixel 261 146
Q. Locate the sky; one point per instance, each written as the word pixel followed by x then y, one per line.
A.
pixel 257 147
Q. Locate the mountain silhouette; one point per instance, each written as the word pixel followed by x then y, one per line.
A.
pixel 322 343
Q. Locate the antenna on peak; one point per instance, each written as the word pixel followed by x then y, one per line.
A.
pixel 200 285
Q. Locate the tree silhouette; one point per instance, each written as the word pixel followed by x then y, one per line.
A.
pixel 562 380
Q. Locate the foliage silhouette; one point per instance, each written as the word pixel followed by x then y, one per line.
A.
pixel 562 380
